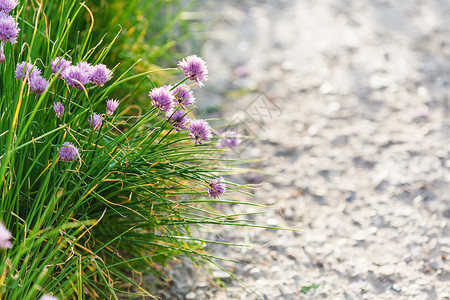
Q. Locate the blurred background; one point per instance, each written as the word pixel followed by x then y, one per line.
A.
pixel 346 103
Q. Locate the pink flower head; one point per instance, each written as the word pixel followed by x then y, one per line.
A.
pixel 9 29
pixel 162 98
pixel 5 235
pixel 60 64
pixel 95 121
pixel 76 76
pixel 216 188
pixel 100 74
pixel 59 109
pixel 183 95
pixel 38 84
pixel 199 130
pixel 85 67
pixel 24 69
pixel 8 5
pixel 68 152
pixel 111 106
pixel 195 69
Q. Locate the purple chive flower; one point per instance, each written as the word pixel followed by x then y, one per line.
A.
pixel 85 67
pixel 38 84
pixel 95 121
pixel 195 69
pixel 68 152
pixel 199 130
pixel 111 106
pixel 216 188
pixel 183 95
pixel 8 5
pixel 59 109
pixel 9 29
pixel 24 69
pixel 100 74
pixel 5 235
pixel 178 119
pixel 162 98
pixel 60 64
pixel 48 297
pixel 229 139
pixel 76 76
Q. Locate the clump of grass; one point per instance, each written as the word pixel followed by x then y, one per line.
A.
pixel 93 194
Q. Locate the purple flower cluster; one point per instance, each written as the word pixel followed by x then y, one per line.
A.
pixel 172 101
pixel 68 152
pixel 100 74
pixel 216 188
pixel 111 106
pixel 5 235
pixel 32 76
pixel 183 95
pixel 59 109
pixel 95 121
pixel 199 130
pixel 9 29
pixel 195 69
pixel 162 98
pixel 85 67
pixel 76 76
pixel 60 64
pixel 8 5
pixel 38 84
pixel 25 70
pixel 229 139
pixel 82 73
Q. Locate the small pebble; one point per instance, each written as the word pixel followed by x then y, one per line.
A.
pixel 435 265
pixel 396 288
pixel 222 275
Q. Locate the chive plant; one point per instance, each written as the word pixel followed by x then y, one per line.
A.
pixel 93 191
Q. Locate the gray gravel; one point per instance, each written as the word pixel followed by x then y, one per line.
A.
pixel 353 104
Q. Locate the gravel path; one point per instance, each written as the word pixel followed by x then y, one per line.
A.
pixel 350 106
